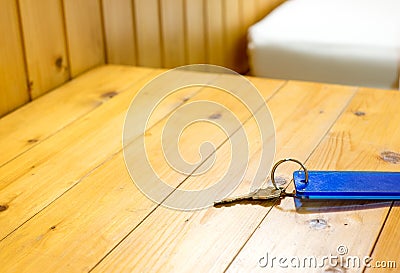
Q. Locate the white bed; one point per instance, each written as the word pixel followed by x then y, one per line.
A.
pixel 353 42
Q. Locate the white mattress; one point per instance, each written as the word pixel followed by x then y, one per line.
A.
pixel 353 42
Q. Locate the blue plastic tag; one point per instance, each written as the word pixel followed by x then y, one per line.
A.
pixel 355 185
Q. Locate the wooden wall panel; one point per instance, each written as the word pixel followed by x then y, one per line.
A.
pixel 13 83
pixel 170 33
pixel 119 31
pixel 235 36
pixel 45 45
pixel 61 39
pixel 194 13
pixel 148 36
pixel 85 35
pixel 250 15
pixel 173 33
pixel 214 32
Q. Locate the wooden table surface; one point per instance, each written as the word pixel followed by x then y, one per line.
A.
pixel 68 204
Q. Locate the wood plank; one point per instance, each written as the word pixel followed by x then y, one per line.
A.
pixel 368 127
pixel 45 45
pixel 235 37
pixel 173 33
pixel 85 34
pixel 165 240
pixel 147 21
pixel 249 10
pixel 104 215
pixel 191 139
pixel 215 32
pixel 35 122
pixel 195 31
pixel 13 88
pixel 45 169
pixel 58 237
pixel 386 250
pixel 119 31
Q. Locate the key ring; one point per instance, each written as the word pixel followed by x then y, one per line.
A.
pixel 285 160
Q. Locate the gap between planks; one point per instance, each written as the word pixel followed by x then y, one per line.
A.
pixel 291 181
pixel 365 224
pixel 117 259
pixel 254 79
pixel 185 179
pixel 18 143
pixel 171 104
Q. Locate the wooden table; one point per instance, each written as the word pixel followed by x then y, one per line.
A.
pixel 68 203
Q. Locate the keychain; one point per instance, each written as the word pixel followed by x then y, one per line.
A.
pixel 328 185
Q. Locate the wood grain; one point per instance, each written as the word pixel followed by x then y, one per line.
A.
pixel 85 217
pixel 170 33
pixel 192 138
pixel 366 129
pixel 173 32
pixel 83 23
pixel 13 80
pixel 214 32
pixel 147 20
pixel 386 250
pixel 125 200
pixel 165 240
pixel 50 205
pixel 39 167
pixel 233 35
pixel 64 38
pixel 195 37
pixel 45 45
pixel 119 31
pixel 33 123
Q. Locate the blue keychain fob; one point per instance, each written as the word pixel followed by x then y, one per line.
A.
pixel 347 185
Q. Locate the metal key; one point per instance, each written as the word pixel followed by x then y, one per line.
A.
pixel 269 193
